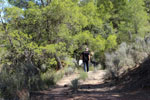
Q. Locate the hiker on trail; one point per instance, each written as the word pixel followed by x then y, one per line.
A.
pixel 86 59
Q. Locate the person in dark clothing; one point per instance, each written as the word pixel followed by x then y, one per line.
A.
pixel 86 59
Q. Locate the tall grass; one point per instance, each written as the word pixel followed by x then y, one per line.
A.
pixel 75 85
pixel 83 75
pixel 16 78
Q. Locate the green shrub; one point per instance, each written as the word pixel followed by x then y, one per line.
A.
pixel 91 68
pixel 69 70
pixel 126 56
pixel 75 85
pixel 83 75
pixel 47 79
pixel 16 78
pixel 58 75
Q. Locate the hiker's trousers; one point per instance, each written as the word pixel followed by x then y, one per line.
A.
pixel 86 65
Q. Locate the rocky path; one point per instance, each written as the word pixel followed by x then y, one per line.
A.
pixel 93 88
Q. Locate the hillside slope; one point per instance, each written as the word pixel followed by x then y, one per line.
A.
pixel 137 78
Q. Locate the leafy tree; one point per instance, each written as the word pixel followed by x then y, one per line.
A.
pixel 134 19
pixel 19 3
pixel 147 5
pixel 90 10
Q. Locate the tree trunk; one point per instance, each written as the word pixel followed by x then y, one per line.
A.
pixel 135 28
pixel 58 62
pixel 42 3
pixel 130 35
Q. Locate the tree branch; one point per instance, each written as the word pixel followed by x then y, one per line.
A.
pixel 59 64
pixel 48 1
pixel 42 3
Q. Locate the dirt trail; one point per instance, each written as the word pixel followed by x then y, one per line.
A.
pixel 93 88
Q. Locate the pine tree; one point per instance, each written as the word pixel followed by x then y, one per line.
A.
pixel 134 20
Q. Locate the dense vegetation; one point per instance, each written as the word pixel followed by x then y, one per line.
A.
pixel 38 37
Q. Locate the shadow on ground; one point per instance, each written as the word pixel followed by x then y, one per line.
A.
pixel 91 92
pixel 105 92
